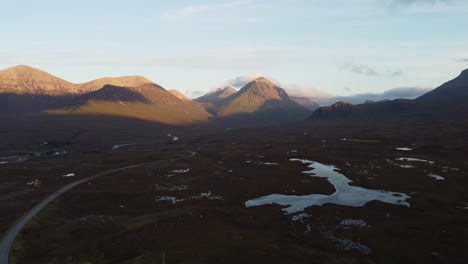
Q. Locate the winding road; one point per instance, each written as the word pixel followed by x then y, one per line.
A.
pixel 8 239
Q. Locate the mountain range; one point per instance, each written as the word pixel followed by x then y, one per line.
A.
pixel 448 101
pixel 260 101
pixel 24 89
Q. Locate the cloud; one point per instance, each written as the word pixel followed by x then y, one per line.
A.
pixel 188 11
pixel 363 69
pixel 395 93
pixel 296 90
pixel 308 91
pixel 406 3
pixel 242 80
pixel 463 60
pixel 194 94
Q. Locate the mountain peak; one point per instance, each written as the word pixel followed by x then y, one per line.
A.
pixel 464 72
pixel 264 88
pixel 23 79
pixel 125 81
pixel 263 80
pixel 217 95
pixel 21 68
pixel 261 97
pixel 454 89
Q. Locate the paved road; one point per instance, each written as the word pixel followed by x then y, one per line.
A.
pixel 7 241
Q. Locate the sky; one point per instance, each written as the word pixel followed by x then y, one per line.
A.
pixel 310 47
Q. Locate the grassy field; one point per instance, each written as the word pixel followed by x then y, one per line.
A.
pixel 192 210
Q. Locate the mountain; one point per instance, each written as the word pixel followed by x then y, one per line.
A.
pixel 126 81
pixel 27 80
pixel 448 101
pixel 216 96
pixel 27 89
pixel 263 101
pixel 306 102
pixel 456 89
pixel 179 95
pixel 148 102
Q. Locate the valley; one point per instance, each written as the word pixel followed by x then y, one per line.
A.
pixel 193 208
pixel 234 132
pixel 140 174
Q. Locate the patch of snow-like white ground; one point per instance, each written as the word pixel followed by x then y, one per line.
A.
pixel 174 188
pixel 171 199
pixel 58 153
pixel 344 194
pixel 69 175
pixel 3 162
pixel 349 223
pixel 181 171
pixel 407 166
pixel 174 138
pixel 174 200
pixel 437 177
pixel 207 195
pixel 413 159
pixel 35 183
pixel 300 217
pixel 446 168
pixel 262 163
pixel 404 149
pixel 346 244
pixel 267 163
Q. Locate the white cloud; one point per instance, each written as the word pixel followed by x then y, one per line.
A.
pixel 193 10
pixel 404 3
pixel 363 69
pixel 297 90
pixel 242 80
pixel 308 91
pixel 395 93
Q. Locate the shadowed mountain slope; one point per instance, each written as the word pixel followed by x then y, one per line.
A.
pixel 305 102
pixel 456 89
pixel 26 89
pixel 261 100
pixel 147 102
pixel 449 101
pixel 216 96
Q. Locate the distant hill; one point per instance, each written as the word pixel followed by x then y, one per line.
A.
pixel 456 89
pixel 261 100
pixel 26 89
pixel 449 101
pixel 27 80
pixel 216 96
pixel 306 102
pixel 126 81
pixel 147 102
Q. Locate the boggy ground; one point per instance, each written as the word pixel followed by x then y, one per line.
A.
pixel 191 210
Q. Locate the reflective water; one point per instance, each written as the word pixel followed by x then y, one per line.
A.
pixel 344 194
